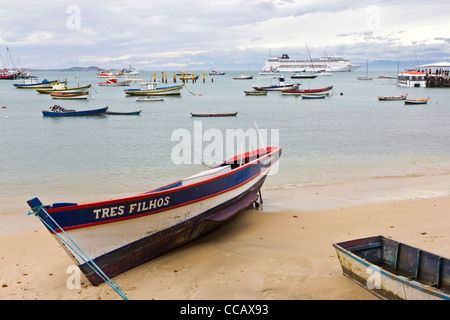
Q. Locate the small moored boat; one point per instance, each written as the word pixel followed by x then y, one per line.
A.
pixel 69 95
pixel 313 95
pixel 33 83
pixel 416 101
pixel 62 87
pixel 121 234
pixel 214 114
pixel 243 76
pixel 256 93
pixel 277 83
pixel 297 91
pixel 149 99
pixel 393 270
pixel 58 111
pixel 130 113
pixel 151 89
pixel 114 83
pixel 393 98
pixel 216 73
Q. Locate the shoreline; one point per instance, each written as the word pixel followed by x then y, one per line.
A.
pixel 282 251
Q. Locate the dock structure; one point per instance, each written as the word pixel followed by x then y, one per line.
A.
pixel 437 74
pixel 437 80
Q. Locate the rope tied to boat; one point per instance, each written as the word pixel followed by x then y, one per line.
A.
pixel 184 85
pixel 38 210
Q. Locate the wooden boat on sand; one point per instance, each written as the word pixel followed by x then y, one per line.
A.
pixel 214 114
pixel 393 98
pixel 58 111
pixel 416 101
pixel 120 234
pixel 393 270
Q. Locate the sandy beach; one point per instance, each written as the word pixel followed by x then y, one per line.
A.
pixel 283 251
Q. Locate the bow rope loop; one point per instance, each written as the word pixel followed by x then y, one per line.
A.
pixel 38 211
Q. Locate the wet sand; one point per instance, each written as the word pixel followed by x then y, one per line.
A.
pixel 282 251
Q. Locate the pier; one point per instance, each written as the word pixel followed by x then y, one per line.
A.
pixel 437 74
pixel 437 80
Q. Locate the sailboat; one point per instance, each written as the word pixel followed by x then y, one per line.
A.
pixel 367 73
pixel 8 74
pixel 313 74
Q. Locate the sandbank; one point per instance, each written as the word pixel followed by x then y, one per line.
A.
pixel 281 252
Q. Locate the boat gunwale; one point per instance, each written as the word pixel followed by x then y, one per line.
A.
pixel 153 193
pixel 409 282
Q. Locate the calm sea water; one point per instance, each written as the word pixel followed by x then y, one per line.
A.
pixel 349 135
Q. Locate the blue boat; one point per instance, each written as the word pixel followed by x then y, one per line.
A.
pixel 58 111
pixel 120 234
pixel 32 83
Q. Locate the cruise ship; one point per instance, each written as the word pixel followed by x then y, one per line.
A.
pixel 328 63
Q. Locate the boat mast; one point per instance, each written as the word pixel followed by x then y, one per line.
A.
pixel 310 60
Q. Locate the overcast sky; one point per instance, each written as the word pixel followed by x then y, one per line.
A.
pixel 219 34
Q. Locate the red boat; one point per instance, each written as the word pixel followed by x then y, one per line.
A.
pixel 9 75
pixel 303 91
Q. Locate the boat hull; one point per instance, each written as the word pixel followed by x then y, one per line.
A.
pixel 173 90
pixel 95 112
pixel 325 90
pixel 214 114
pixel 385 268
pixel 393 98
pixel 83 89
pixel 416 101
pixel 43 84
pixel 121 234
pixel 256 93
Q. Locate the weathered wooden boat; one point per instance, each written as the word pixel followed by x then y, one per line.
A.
pixel 69 95
pixel 62 87
pixel 313 95
pixel 216 73
pixel 297 91
pixel 130 113
pixel 256 93
pixel 58 111
pixel 214 114
pixel 151 89
pixel 120 234
pixel 114 83
pixel 149 99
pixel 416 101
pixel 33 83
pixel 393 270
pixel 393 98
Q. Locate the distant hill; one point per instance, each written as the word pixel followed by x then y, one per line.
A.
pixel 73 69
